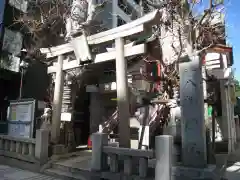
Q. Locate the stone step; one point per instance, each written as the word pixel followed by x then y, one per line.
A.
pixel 70 169
pixel 64 175
pixel 73 168
pixel 10 173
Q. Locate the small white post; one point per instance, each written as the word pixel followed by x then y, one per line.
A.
pixel 100 129
pixel 145 140
pixel 122 95
pixel 57 102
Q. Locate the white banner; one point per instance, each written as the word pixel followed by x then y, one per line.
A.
pixel 12 42
pixel 21 5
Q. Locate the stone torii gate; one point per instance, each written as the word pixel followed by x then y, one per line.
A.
pixel 121 51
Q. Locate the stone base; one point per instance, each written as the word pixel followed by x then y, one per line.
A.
pixel 186 173
pixel 34 167
pixel 59 149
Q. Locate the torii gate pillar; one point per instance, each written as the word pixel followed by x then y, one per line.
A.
pixel 122 95
pixel 57 102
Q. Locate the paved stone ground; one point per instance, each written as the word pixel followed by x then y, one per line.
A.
pixel 233 171
pixel 10 173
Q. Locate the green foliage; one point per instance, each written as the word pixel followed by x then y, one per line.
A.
pixel 237 107
pixel 237 93
pixel 237 88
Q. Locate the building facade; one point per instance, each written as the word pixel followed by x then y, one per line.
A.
pixel 11 45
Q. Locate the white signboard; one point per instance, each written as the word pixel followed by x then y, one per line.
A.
pixel 11 63
pixel 21 112
pixel 22 130
pixel 21 119
pixel 12 42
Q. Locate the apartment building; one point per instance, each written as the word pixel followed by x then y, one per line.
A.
pixel 119 12
pixel 11 56
pixel 11 36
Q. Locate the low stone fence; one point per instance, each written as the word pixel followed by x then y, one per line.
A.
pixel 25 152
pixel 117 163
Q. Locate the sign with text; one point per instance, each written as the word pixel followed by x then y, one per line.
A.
pixel 21 112
pixel 21 118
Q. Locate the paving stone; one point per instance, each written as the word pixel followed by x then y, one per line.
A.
pixel 10 173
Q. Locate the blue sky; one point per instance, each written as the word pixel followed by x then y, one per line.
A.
pixel 232 19
pixel 233 31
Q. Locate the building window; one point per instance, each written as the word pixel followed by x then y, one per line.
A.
pixel 21 5
pixel 99 1
pixel 123 5
pixel 120 21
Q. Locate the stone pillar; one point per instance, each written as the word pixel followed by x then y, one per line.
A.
pixel 41 147
pixel 223 122
pixel 192 103
pixel 57 102
pixel 96 111
pixel 99 159
pixel 230 117
pixel 207 122
pixel 122 95
pixel 164 153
